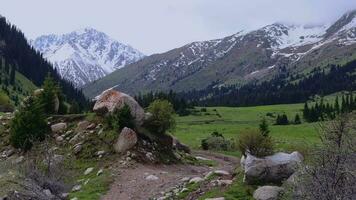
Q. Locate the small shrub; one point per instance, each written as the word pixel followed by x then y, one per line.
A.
pixel 203 110
pixel 254 143
pixel 120 119
pixel 162 118
pixel 216 142
pixel 282 120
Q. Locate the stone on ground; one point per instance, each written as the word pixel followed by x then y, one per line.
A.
pixel 59 127
pixel 126 140
pixel 275 168
pixel 268 193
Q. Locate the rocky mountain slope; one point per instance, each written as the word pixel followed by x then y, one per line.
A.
pixel 239 58
pixel 85 55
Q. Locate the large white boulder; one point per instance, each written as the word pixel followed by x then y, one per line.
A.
pixel 275 168
pixel 268 193
pixel 126 140
pixel 111 99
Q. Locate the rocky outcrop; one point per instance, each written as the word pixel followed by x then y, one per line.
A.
pixel 275 168
pixel 111 99
pixel 268 193
pixel 126 140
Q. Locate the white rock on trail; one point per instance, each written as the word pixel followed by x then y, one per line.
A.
pixel 268 193
pixel 151 178
pixel 196 180
pixel 89 170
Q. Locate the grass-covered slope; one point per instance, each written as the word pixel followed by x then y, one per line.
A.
pixel 232 121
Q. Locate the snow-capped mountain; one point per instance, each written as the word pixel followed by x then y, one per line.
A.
pixel 85 55
pixel 239 58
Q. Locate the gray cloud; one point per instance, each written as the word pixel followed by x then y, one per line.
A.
pixel 159 25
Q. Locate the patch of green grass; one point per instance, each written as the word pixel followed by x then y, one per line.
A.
pixel 231 121
pixel 237 191
pixel 96 186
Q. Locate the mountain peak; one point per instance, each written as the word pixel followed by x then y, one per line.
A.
pixel 85 55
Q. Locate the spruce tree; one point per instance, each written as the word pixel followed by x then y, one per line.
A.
pixel 29 125
pixel 264 130
pixel 297 119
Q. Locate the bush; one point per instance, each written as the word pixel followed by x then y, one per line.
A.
pixel 216 142
pixel 121 118
pixel 162 118
pixel 282 120
pixel 29 125
pixel 254 143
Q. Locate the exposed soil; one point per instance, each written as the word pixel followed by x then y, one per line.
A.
pixel 131 183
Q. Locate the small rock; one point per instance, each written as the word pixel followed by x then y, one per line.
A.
pixel 152 178
pixel 76 188
pixel 184 190
pixel 75 198
pixel 88 171
pixel 100 153
pixel 100 172
pixel 202 158
pixel 91 126
pixel 19 160
pixel 268 193
pixel 196 180
pixel 224 182
pixel 185 179
pixel 64 195
pixel 99 126
pixel 100 131
pixel 59 139
pixel 77 149
pixel 82 125
pixel 208 175
pixel 75 139
pixel 59 127
pixel 221 173
pixel 47 192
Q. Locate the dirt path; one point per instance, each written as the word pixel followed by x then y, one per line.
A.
pixel 132 184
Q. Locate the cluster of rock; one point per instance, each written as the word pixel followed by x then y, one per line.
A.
pixel 270 169
pixel 222 179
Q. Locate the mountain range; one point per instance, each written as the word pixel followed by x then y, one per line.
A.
pixel 85 55
pixel 238 59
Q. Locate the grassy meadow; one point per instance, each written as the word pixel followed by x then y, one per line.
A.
pixel 231 121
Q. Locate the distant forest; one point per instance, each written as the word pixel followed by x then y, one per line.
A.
pixel 279 90
pixel 16 51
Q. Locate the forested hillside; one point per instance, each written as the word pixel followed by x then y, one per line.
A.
pixel 281 89
pixel 18 55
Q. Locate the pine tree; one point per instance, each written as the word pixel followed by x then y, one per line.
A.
pixel 306 112
pixel 264 130
pixel 297 119
pixel 29 125
pixel 336 105
pixel 49 95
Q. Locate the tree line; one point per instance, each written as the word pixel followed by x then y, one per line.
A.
pixel 279 90
pixel 322 110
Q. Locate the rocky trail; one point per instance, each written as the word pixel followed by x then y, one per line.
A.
pixel 141 181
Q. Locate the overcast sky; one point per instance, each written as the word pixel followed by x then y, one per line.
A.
pixel 154 26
